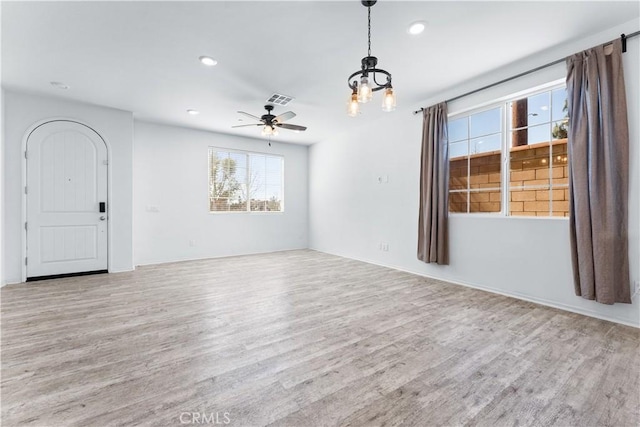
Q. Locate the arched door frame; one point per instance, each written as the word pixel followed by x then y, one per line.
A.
pixel 25 140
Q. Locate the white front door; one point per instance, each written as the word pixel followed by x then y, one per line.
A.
pixel 66 191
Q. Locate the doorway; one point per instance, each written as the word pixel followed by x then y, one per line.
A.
pixel 66 200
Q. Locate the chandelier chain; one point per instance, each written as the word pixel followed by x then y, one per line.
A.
pixel 369 33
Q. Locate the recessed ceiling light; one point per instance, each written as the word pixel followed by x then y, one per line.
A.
pixel 208 61
pixel 193 112
pixel 416 28
pixel 60 85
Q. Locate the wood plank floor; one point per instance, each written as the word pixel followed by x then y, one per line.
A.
pixel 303 338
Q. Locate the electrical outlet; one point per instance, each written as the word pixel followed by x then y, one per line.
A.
pixel 635 288
pixel 192 243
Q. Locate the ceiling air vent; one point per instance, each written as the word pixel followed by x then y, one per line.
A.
pixel 279 99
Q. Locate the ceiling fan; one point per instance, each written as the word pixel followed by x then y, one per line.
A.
pixel 271 123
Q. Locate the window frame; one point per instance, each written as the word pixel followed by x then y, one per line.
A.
pixel 247 154
pixel 505 186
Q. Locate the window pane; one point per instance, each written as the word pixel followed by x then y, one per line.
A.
pixel 529 202
pixel 266 183
pixel 458 129
pixel 529 166
pixel 257 178
pixel 540 133
pixel 458 149
pixel 486 144
pixel 532 135
pixel 538 109
pixel 238 160
pixel 559 179
pixel 484 201
pixel 484 123
pixel 227 187
pixel 560 202
pixel 273 201
pixel 519 116
pixel 458 202
pixel 559 104
pixel 458 174
pixel 275 182
pixel 485 171
pixel 560 129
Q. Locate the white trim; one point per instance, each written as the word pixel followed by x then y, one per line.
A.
pixel 516 295
pixel 126 270
pixel 25 139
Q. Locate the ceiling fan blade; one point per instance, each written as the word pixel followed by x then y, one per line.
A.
pixel 284 117
pixel 242 126
pixel 291 127
pixel 250 115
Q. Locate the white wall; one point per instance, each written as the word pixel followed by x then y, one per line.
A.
pixel 2 276
pixel 351 213
pixel 171 174
pixel 116 127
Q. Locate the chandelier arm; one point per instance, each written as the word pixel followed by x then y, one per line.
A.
pixel 354 85
pixel 388 82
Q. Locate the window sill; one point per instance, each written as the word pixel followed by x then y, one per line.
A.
pixel 246 213
pixel 501 216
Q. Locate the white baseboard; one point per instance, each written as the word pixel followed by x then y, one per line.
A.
pixel 126 270
pixel 536 300
pixel 157 262
pixel 11 282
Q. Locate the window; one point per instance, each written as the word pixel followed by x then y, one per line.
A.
pixel 245 182
pixel 475 143
pixel 538 170
pixel 530 134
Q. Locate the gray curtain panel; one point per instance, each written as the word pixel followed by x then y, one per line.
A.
pixel 599 174
pixel 433 235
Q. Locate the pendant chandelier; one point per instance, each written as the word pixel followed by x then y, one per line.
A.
pixel 364 82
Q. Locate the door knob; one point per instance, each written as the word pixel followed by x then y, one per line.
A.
pixel 102 218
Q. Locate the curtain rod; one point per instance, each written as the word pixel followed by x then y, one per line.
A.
pixel 623 37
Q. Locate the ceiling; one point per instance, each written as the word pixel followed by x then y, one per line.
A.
pixel 143 56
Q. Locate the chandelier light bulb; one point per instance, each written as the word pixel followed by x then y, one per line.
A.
pixel 389 100
pixel 364 90
pixel 353 107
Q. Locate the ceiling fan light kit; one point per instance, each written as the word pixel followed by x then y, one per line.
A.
pixel 362 90
pixel 269 131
